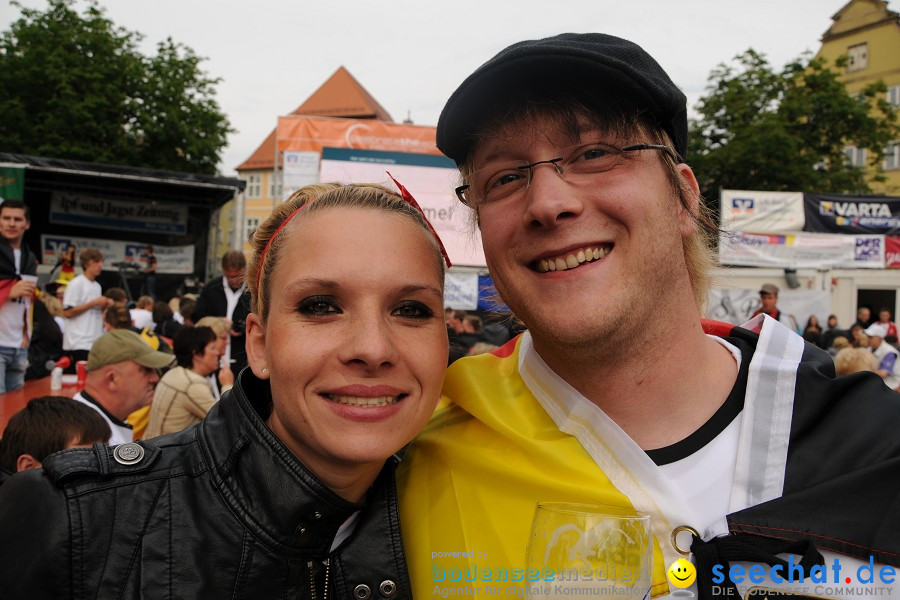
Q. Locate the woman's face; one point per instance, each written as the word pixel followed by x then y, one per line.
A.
pixel 206 363
pixel 355 345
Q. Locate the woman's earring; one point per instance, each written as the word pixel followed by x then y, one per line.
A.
pixel 265 370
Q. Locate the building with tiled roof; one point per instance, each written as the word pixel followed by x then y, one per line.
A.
pixel 341 96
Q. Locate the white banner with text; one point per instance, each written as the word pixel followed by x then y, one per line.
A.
pixel 169 259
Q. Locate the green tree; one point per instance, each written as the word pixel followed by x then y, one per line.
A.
pixel 75 86
pixel 759 129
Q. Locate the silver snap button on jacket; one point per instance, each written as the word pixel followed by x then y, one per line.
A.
pixel 128 454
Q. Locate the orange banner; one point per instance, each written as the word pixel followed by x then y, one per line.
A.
pixel 315 133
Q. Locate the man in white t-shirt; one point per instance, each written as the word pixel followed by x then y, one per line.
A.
pixel 18 267
pixel 142 313
pixel 83 306
pixel 121 378
pixel 739 442
pixel 888 357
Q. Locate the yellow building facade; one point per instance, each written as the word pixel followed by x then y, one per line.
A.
pixel 868 34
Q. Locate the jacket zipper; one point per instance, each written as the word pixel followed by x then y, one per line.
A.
pixel 312 579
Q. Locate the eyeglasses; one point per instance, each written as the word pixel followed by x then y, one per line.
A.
pixel 509 179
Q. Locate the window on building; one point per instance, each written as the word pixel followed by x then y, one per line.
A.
pixel 855 157
pixel 893 95
pixel 254 185
pixel 271 185
pixel 892 156
pixel 252 224
pixel 859 57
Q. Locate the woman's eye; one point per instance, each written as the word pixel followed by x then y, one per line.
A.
pixel 318 306
pixel 413 310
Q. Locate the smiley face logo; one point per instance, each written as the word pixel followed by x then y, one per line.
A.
pixel 681 573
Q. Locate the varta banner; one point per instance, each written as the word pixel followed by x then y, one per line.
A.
pixel 847 214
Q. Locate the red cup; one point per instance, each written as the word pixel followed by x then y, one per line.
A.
pixel 81 369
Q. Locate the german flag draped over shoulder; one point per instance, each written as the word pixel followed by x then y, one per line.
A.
pixel 817 460
pixel 489 436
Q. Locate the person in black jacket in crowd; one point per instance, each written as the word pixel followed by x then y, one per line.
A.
pixel 228 296
pixel 46 341
pixel 166 325
pixel 286 489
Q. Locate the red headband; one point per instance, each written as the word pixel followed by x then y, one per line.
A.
pixel 404 193
pixel 262 260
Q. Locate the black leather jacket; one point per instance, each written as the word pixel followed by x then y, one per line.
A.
pixel 219 510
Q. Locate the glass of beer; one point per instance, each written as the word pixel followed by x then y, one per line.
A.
pixel 588 551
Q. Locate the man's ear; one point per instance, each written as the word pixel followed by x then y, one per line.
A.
pixel 256 346
pixel 110 377
pixel 690 191
pixel 27 461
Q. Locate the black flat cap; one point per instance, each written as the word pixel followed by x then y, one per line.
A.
pixel 602 65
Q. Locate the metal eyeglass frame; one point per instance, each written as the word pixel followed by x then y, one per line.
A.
pixel 528 169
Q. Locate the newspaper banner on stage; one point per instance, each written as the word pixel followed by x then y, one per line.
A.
pixel 830 213
pixel 802 250
pixel 892 253
pixel 761 211
pixel 169 259
pixel 106 213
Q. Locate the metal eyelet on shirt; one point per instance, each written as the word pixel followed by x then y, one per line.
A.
pixel 362 592
pixel 317 515
pixel 129 453
pixel 388 588
pixel 682 529
pixel 301 529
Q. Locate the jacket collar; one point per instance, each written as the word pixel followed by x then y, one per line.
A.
pixel 272 493
pixel 28 265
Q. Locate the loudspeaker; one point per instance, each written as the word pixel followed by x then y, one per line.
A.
pixel 791 276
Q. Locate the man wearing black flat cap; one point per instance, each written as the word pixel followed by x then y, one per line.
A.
pixel 571 153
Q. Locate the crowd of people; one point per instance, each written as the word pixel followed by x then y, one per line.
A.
pixel 868 345
pixel 471 334
pixel 348 461
pixel 172 356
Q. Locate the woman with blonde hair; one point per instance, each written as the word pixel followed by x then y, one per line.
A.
pixel 223 378
pixel 286 489
pixel 55 308
pixel 854 360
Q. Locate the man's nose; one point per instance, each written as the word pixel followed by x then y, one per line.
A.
pixel 550 199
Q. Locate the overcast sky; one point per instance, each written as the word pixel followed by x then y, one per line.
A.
pixel 411 54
